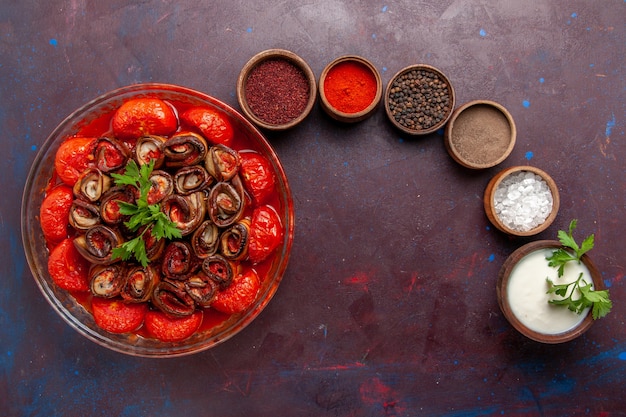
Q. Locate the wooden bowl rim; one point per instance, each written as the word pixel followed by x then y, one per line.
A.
pixel 338 114
pixel 294 59
pixel 501 293
pixel 450 127
pixel 438 125
pixel 493 185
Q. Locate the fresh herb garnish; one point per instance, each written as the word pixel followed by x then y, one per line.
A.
pixel 587 297
pixel 141 214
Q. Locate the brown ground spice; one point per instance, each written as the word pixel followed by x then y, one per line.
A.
pixel 481 134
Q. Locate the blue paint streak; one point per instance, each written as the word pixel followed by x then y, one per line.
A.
pixel 33 147
pixel 53 42
pixel 622 355
pixel 249 30
pixel 373 36
pixel 384 9
pixel 529 155
pixel 491 258
pixel 541 80
pixel 574 15
pixel 609 126
pixel 483 33
pixel 526 103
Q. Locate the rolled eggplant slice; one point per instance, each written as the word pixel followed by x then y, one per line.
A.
pixel 107 281
pixel 178 261
pixel 161 186
pixel 97 244
pixel 91 185
pixel 186 212
pixel 184 149
pixel 84 215
pixel 234 241
pixel 139 284
pixel 172 299
pixel 222 162
pixel 190 179
pixel 150 148
pixel 110 154
pixel 205 239
pixel 225 204
pixel 201 289
pixel 219 269
pixel 154 247
pixel 110 207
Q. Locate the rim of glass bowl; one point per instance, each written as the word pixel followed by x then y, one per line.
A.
pixel 37 254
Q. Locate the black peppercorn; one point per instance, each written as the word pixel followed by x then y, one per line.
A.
pixel 419 99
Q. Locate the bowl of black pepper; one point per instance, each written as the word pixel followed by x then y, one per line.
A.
pixel 419 99
pixel 276 89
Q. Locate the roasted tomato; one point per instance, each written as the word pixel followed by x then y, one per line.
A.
pixel 144 116
pixel 266 233
pixel 257 175
pixel 67 268
pixel 73 157
pixel 54 213
pixel 239 295
pixel 117 316
pixel 214 125
pixel 172 329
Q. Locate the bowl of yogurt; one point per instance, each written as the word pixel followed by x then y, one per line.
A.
pixel 522 292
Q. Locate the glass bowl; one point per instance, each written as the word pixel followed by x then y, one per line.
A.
pixel 68 307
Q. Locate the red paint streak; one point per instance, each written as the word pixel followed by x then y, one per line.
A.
pixel 413 285
pixel 359 278
pixel 374 393
pixel 467 266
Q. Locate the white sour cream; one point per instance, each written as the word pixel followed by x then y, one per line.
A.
pixel 527 293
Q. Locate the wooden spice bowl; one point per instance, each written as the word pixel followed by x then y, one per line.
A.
pixel 427 107
pixel 492 211
pixel 281 99
pixel 356 88
pixel 480 134
pixel 518 302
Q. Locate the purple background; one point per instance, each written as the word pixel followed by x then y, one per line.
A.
pixel 388 305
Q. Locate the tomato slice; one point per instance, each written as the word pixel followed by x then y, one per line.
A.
pixel 172 329
pixel 239 295
pixel 74 156
pixel 67 268
pixel 266 233
pixel 117 316
pixel 54 213
pixel 213 124
pixel 257 175
pixel 144 116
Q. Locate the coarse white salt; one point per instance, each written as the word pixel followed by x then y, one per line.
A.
pixel 522 201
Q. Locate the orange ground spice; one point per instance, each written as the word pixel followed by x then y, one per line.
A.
pixel 350 87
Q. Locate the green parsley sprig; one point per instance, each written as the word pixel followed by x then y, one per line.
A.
pixel 598 300
pixel 142 214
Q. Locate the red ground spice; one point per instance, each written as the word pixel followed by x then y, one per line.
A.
pixel 350 87
pixel 277 91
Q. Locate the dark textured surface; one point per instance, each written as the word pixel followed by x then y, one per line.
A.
pixel 388 305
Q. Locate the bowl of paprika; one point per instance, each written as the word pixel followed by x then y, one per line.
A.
pixel 350 89
pixel 276 89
